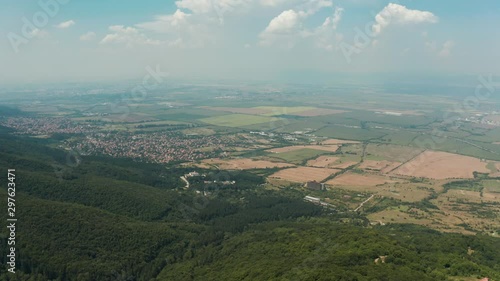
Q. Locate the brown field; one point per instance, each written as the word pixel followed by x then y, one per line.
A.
pixel 244 164
pixel 442 165
pixel 318 112
pixel 337 141
pixel 352 179
pixel 330 162
pixel 390 168
pixel 384 165
pixel 304 174
pixel 330 148
pixel 322 161
pixel 491 196
pixel 344 165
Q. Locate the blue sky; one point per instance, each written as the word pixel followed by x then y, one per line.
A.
pixel 86 40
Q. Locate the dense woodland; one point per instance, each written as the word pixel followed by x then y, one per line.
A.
pixel 99 218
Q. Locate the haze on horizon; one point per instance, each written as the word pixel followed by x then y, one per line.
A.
pixel 74 40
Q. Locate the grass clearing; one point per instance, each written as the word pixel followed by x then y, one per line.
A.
pixel 298 156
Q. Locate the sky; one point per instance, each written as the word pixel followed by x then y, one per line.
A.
pixel 95 40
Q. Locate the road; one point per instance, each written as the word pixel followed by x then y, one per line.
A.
pixel 186 181
pixel 364 202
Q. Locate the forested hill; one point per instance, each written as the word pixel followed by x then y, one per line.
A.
pixel 100 218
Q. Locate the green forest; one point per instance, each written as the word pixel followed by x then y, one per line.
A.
pixel 99 218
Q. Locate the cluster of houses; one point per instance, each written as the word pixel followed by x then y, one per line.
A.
pixel 314 185
pixel 196 174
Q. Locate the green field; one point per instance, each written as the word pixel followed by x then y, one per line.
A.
pixel 299 156
pixel 492 185
pixel 237 120
pixel 348 133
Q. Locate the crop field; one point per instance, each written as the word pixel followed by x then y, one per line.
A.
pixel 238 120
pixel 491 196
pixel 298 156
pixel 392 153
pixel 354 179
pixel 304 174
pixel 323 161
pixel 302 111
pixel 241 110
pixel 459 146
pixel 329 148
pixel 303 125
pixel 244 164
pixel 383 166
pixel 318 112
pixel 442 165
pixel 350 133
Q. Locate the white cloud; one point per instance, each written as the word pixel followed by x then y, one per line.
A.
pixel 129 36
pixel 285 22
pixel 66 24
pixel 443 50
pixel 38 33
pixel 333 22
pixel 282 28
pixel 182 29
pixel 88 36
pixel 166 23
pixel 218 7
pixel 326 34
pixel 398 14
pixel 196 6
pixel 288 27
pixel 446 49
pixel 272 3
pixel 311 7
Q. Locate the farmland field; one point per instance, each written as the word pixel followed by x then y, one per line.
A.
pixel 350 133
pixel 238 120
pixel 442 165
pixel 244 164
pixel 298 156
pixel 354 179
pixel 303 174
